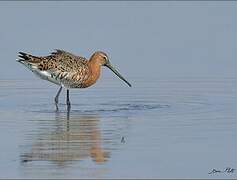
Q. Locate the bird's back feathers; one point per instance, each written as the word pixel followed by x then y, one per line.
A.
pixel 60 67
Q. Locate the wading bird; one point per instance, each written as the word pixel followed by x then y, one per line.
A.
pixel 68 70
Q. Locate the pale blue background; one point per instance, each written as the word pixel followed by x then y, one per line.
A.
pixel 178 119
pixel 158 39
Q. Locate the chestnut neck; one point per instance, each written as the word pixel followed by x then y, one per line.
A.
pixel 95 69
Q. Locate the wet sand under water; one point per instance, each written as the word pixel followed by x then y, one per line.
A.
pixel 159 128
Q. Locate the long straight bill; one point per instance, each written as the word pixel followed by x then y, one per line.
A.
pixel 118 74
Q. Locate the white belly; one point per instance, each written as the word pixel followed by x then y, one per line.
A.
pixel 46 76
pixel 42 74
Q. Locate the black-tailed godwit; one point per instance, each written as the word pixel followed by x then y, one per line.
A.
pixel 68 70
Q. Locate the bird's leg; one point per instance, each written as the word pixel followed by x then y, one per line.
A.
pixel 56 97
pixel 68 101
pixel 68 118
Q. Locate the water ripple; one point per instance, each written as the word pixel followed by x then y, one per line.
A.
pixel 105 107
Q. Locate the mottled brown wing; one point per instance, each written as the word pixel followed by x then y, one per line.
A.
pixel 66 61
pixel 70 69
pixel 65 54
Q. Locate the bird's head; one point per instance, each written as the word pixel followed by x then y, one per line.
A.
pixel 102 59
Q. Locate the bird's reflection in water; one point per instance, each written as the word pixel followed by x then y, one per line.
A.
pixel 75 137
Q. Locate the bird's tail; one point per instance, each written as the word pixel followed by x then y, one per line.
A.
pixel 24 57
pixel 28 58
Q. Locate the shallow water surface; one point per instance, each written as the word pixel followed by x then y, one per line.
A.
pixel 159 128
